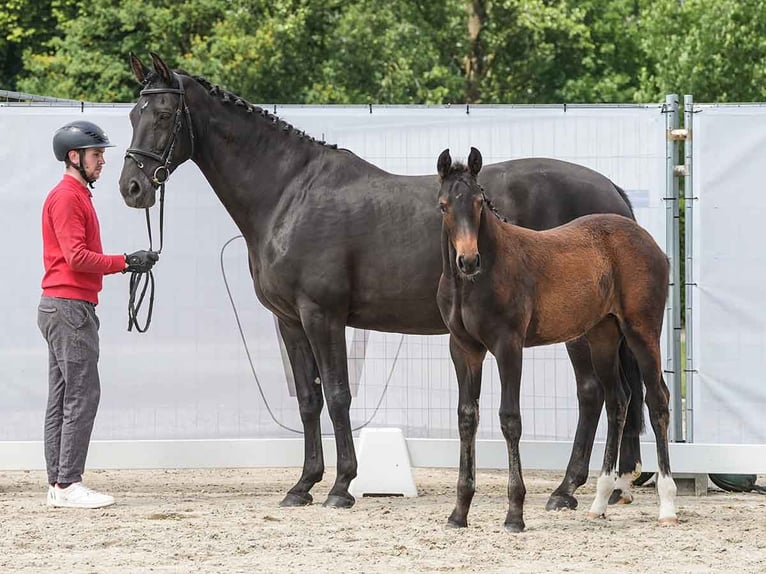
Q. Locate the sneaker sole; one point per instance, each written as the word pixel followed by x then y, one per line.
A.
pixel 75 505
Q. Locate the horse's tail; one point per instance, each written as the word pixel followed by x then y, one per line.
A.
pixel 630 452
pixel 625 198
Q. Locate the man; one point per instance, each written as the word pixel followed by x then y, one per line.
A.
pixel 74 268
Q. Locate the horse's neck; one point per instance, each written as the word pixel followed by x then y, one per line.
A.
pixel 248 162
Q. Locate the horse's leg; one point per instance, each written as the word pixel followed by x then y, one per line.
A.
pixel 604 340
pixel 468 361
pixel 646 346
pixel 590 399
pixel 310 402
pixel 509 364
pixel 327 336
pixel 630 446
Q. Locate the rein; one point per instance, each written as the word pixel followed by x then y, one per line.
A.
pixel 159 177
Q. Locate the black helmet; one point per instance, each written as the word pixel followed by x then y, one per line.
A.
pixel 78 135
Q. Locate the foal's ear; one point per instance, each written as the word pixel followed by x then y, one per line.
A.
pixel 161 68
pixel 139 70
pixel 443 164
pixel 474 162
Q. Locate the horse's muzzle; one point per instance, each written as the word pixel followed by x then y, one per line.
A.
pixel 137 196
pixel 469 265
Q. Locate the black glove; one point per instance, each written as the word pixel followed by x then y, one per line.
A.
pixel 141 261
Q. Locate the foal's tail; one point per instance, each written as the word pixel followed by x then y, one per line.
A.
pixel 630 451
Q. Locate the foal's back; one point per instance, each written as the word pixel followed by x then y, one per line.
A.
pixel 576 274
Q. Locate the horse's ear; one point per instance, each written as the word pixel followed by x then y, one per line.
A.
pixel 139 70
pixel 474 162
pixel 443 164
pixel 161 68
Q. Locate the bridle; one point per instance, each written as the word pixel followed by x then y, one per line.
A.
pixel 159 177
pixel 162 172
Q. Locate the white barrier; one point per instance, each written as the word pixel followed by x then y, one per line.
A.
pixel 729 273
pixel 188 378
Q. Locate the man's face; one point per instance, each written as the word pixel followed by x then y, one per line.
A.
pixel 93 161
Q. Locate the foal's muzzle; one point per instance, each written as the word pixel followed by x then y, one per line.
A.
pixel 469 265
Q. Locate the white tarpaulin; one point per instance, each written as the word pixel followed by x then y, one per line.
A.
pixel 189 377
pixel 729 266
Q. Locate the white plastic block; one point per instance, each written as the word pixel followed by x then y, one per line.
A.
pixel 384 464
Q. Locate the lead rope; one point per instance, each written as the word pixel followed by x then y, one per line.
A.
pixel 148 277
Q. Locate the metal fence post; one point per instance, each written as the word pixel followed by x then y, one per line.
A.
pixel 689 284
pixel 673 362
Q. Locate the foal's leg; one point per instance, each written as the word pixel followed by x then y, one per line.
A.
pixel 310 403
pixel 468 360
pixel 590 399
pixel 646 345
pixel 327 336
pixel 509 363
pixel 604 340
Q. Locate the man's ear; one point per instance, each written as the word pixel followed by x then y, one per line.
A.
pixel 74 157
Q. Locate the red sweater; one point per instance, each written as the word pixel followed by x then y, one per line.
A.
pixel 74 260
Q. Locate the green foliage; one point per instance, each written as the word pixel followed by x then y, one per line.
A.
pixel 27 23
pixel 713 50
pixel 609 70
pixel 400 51
pixel 403 53
pixel 530 47
pixel 88 60
pixel 266 50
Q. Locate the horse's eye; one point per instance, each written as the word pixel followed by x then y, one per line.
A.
pixel 443 207
pixel 164 116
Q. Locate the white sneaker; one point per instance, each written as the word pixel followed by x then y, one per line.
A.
pixel 77 495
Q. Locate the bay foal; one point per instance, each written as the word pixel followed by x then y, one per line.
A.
pixel 504 287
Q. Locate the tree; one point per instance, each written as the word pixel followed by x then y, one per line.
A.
pixel 88 58
pixel 266 50
pixel 713 50
pixel 397 52
pixel 27 23
pixel 610 70
pixel 524 50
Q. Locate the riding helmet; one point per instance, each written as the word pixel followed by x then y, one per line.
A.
pixel 78 135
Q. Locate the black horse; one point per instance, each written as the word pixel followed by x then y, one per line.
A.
pixel 335 241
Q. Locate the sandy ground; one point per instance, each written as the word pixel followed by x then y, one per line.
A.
pixel 229 520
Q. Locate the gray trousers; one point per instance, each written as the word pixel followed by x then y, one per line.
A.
pixel 70 327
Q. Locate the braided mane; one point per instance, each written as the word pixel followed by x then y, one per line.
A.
pixel 238 101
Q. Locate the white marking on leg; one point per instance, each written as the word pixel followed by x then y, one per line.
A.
pixel 604 488
pixel 623 484
pixel 666 488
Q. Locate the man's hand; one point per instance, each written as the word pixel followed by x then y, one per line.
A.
pixel 141 261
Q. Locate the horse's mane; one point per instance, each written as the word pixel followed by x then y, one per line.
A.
pixel 460 167
pixel 492 207
pixel 238 101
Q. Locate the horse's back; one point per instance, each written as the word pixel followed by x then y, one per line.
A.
pixel 540 193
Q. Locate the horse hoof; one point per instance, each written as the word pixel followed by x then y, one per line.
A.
pixel 457 523
pixel 514 526
pixel 339 501
pixel 294 500
pixel 561 502
pixel 594 516
pixel 620 497
pixel 668 521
